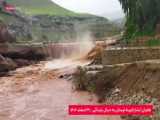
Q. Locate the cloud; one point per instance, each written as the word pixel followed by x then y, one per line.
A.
pixel 98 7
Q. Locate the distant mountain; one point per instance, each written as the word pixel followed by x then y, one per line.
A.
pixel 114 15
pixel 120 22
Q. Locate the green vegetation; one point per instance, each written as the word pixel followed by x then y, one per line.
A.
pixel 37 7
pixel 153 42
pixel 6 18
pixel 142 17
pixel 50 22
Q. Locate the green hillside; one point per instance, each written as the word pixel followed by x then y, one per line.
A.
pixel 37 7
pixel 50 22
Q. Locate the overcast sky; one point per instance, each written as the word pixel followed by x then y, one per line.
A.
pixel 98 7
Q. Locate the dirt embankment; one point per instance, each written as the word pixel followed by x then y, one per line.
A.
pixel 134 83
pixel 129 78
pixel 141 77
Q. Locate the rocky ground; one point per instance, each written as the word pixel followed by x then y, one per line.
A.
pixel 116 97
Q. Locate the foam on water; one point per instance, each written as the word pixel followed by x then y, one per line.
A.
pixel 64 63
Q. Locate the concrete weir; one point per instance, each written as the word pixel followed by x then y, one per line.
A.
pixel 111 56
pixel 55 50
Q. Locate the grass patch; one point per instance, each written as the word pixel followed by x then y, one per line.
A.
pixel 153 42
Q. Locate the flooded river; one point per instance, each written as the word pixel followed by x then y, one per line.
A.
pixel 37 92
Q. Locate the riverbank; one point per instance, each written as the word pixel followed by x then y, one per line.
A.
pixel 123 76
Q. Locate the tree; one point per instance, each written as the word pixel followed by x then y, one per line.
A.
pixel 143 14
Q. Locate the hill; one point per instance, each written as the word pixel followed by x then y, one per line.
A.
pixel 43 20
pixel 37 7
pixel 120 22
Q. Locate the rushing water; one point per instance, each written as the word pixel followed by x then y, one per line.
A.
pixel 36 93
pixel 64 63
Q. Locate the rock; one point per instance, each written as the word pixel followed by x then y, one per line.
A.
pixel 22 51
pixel 66 77
pixel 5 36
pixel 92 73
pixel 7 64
pixel 94 67
pixel 79 79
pixel 22 62
pixel 116 91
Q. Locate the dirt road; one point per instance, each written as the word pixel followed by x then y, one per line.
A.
pixel 37 93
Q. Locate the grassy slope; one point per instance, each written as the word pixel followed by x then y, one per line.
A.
pixel 46 7
pixel 34 7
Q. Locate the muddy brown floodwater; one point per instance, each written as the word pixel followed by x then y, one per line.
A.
pixel 37 93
